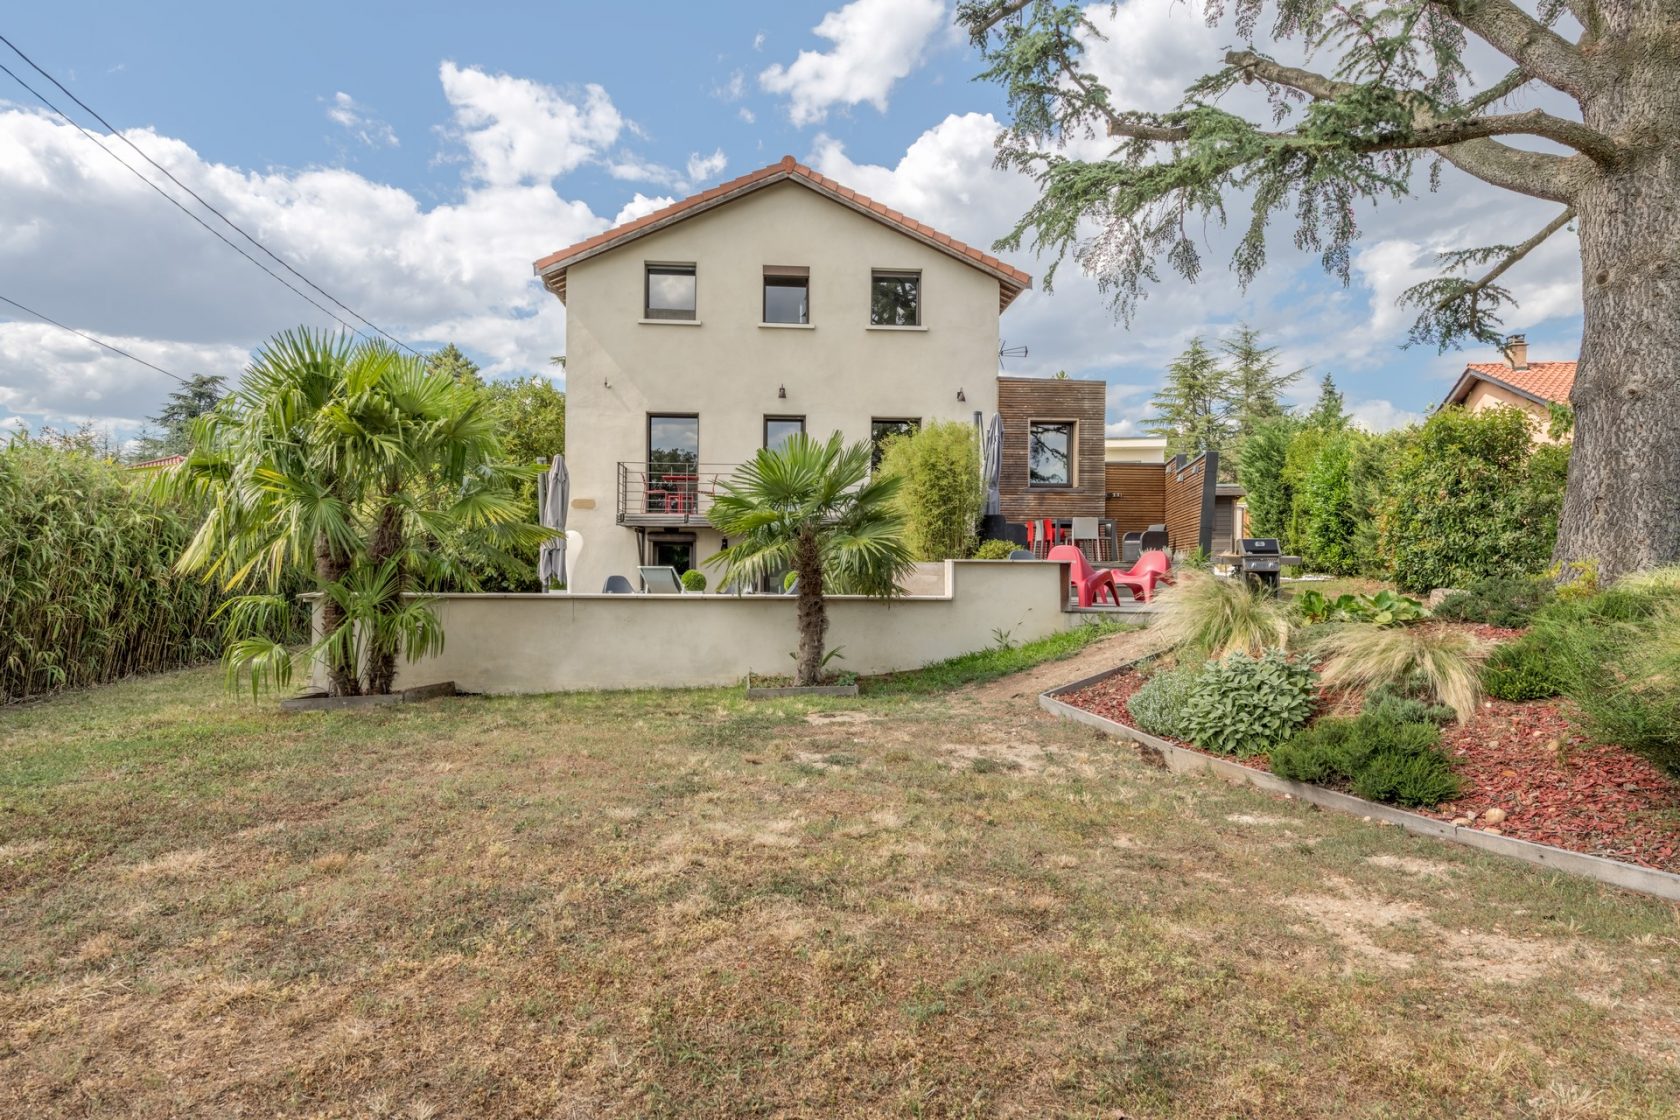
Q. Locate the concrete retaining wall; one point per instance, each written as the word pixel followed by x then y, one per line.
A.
pixel 555 643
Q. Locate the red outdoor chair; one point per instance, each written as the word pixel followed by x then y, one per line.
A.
pixel 1091 583
pixel 1151 568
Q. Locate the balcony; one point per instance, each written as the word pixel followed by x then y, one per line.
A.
pixel 668 494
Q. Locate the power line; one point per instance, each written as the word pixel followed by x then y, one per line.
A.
pixel 110 128
pixel 90 338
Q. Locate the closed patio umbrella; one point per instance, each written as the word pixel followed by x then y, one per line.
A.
pixel 991 464
pixel 555 494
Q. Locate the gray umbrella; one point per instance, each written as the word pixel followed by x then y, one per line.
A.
pixel 991 463
pixel 554 494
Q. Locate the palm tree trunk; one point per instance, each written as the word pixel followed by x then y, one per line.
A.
pixel 386 544
pixel 342 677
pixel 813 613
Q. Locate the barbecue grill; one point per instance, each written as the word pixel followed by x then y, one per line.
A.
pixel 1261 560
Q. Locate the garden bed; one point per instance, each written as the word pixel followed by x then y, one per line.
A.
pixel 1524 759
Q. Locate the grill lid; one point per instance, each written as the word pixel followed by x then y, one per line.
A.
pixel 1260 546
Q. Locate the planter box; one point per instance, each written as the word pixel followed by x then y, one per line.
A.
pixel 321 702
pixel 1633 877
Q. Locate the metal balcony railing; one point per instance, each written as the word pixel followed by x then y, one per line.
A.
pixel 668 493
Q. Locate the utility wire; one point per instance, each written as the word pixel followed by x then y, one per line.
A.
pixel 90 338
pixel 110 128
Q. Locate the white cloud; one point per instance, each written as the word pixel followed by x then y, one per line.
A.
pixel 702 168
pixel 747 115
pixel 758 41
pixel 732 90
pixel 639 206
pixel 1120 429
pixel 519 131
pixel 360 122
pixel 876 43
pixel 1382 416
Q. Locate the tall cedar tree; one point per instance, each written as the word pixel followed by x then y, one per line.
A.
pixel 1329 412
pixel 454 364
pixel 1256 388
pixel 1393 91
pixel 1192 407
pixel 199 395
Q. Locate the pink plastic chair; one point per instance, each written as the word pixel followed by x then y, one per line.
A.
pixel 1091 583
pixel 1152 568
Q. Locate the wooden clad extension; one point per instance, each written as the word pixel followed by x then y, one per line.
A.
pixel 1022 400
pixel 1137 496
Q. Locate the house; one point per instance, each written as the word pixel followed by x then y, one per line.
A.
pixel 776 303
pixel 1515 383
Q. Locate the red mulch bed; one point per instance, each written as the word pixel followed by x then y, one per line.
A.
pixel 1554 785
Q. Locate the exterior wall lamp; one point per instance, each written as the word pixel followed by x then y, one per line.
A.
pixel 781 392
pixel 962 396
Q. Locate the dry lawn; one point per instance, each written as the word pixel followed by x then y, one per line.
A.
pixel 682 905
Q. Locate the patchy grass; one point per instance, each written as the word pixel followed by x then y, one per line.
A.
pixel 990 664
pixel 680 904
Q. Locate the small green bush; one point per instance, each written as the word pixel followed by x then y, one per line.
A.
pixel 1521 670
pixel 941 496
pixel 1397 705
pixel 1508 601
pixel 1159 706
pixel 1381 759
pixel 995 550
pixel 694 580
pixel 1245 705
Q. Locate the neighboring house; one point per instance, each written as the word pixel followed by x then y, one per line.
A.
pixel 1135 449
pixel 1515 383
pixel 166 463
pixel 776 303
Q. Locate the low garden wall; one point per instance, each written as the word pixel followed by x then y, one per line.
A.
pixel 561 642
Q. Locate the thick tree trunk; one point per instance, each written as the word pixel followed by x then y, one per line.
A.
pixel 386 543
pixel 813 613
pixel 1622 508
pixel 342 678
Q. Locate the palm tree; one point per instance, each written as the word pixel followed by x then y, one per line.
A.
pixel 813 508
pixel 352 468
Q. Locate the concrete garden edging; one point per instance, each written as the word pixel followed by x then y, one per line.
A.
pixel 1630 876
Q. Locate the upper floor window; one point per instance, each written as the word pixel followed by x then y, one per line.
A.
pixel 787 294
pixel 895 299
pixel 670 292
pixel 1050 453
pixel 779 429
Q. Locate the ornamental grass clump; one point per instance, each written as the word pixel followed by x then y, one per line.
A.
pixel 1432 660
pixel 1623 677
pixel 1205 616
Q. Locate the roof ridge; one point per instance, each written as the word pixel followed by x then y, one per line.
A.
pixel 786 167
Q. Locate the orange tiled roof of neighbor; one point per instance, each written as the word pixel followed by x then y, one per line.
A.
pixel 1012 278
pixel 1546 381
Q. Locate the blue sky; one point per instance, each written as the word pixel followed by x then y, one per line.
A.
pixel 413 159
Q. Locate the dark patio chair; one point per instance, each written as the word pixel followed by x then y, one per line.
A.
pixel 617 585
pixel 1022 554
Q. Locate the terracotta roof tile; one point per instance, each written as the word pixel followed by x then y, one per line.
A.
pixel 787 167
pixel 1550 381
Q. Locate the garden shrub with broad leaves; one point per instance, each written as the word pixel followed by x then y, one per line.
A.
pixel 1380 758
pixel 1244 705
pixel 1159 706
pixel 1385 608
pixel 1469 495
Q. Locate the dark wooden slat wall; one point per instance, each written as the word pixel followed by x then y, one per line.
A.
pixel 1188 488
pixel 1025 399
pixel 1136 497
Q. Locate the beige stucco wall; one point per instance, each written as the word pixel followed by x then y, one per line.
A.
pixel 561 642
pixel 1485 395
pixel 839 373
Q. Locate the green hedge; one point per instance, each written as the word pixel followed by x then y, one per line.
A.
pixel 87 593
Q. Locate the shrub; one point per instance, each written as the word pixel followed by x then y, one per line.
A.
pixel 1470 496
pixel 1245 705
pixel 1622 673
pixel 1396 706
pixel 1508 601
pixel 1381 758
pixel 694 580
pixel 941 496
pixel 1204 615
pixel 1385 608
pixel 995 550
pixel 1326 517
pixel 88 592
pixel 1159 706
pixel 1439 662
pixel 1521 670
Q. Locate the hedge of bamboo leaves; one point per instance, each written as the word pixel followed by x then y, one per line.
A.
pixel 87 590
